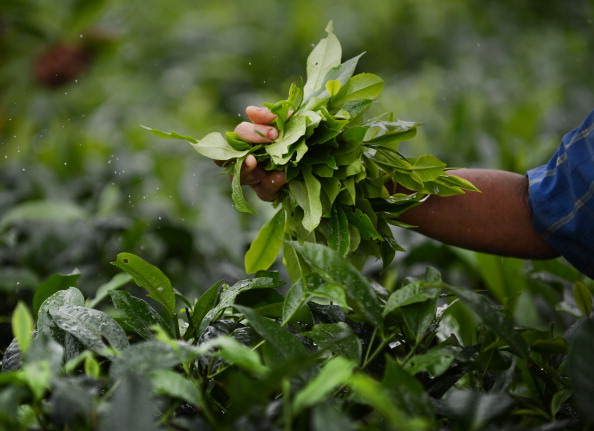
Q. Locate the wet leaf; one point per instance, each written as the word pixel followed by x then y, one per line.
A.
pixel 172 384
pixel 334 373
pixel 285 345
pixel 338 270
pixel 93 328
pixel 150 278
pixel 139 315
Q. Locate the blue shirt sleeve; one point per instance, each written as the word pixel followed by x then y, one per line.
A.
pixel 561 197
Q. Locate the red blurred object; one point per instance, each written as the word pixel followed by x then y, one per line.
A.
pixel 61 64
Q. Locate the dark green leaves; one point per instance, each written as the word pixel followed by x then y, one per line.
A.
pixel 139 315
pixel 494 318
pixel 94 329
pixel 337 270
pixel 579 366
pixel 150 278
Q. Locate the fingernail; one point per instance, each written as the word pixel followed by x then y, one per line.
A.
pixel 272 134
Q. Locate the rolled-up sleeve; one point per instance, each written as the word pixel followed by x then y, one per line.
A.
pixel 561 197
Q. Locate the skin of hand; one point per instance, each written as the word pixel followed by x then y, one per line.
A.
pixel 497 220
pixel 267 184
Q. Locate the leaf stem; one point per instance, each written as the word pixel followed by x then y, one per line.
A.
pixel 377 351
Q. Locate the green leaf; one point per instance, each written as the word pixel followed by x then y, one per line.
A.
pixel 419 291
pixel 493 318
pixel 332 292
pixel 336 372
pixel 583 298
pixel 325 56
pixel 237 192
pixel 299 295
pixel 147 356
pixel 236 142
pixel 285 345
pixel 428 167
pixel 71 296
pixel 473 411
pixel 364 86
pixel 265 248
pixel 342 73
pixel 43 211
pixel 363 223
pixel 170 135
pixel 338 270
pixel 37 376
pixel 238 354
pixel 22 326
pixel 435 362
pixel 172 384
pixel 150 278
pixel 418 317
pixel 51 285
pixel 93 328
pixel 580 358
pixel 92 367
pixel 215 146
pixel 338 338
pixel 280 150
pixel 230 293
pixel 307 195
pixel 340 237
pixel 369 391
pixel 406 391
pixel 204 304
pixel 140 316
pixel 134 394
pixel 332 87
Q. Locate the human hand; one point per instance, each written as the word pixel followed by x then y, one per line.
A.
pixel 266 184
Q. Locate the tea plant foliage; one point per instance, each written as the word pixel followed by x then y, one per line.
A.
pixel 335 349
pixel 247 356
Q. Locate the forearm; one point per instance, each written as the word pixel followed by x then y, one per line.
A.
pixel 496 221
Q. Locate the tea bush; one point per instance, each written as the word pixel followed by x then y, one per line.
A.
pixel 491 343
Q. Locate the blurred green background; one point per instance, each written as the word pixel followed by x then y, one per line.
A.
pixel 496 85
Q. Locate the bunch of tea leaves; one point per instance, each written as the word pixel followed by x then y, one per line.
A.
pixel 341 171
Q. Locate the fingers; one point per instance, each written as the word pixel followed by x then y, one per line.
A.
pixel 269 187
pixel 251 174
pixel 260 115
pixel 259 131
pixel 256 133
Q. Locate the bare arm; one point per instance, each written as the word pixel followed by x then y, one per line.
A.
pixel 496 221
